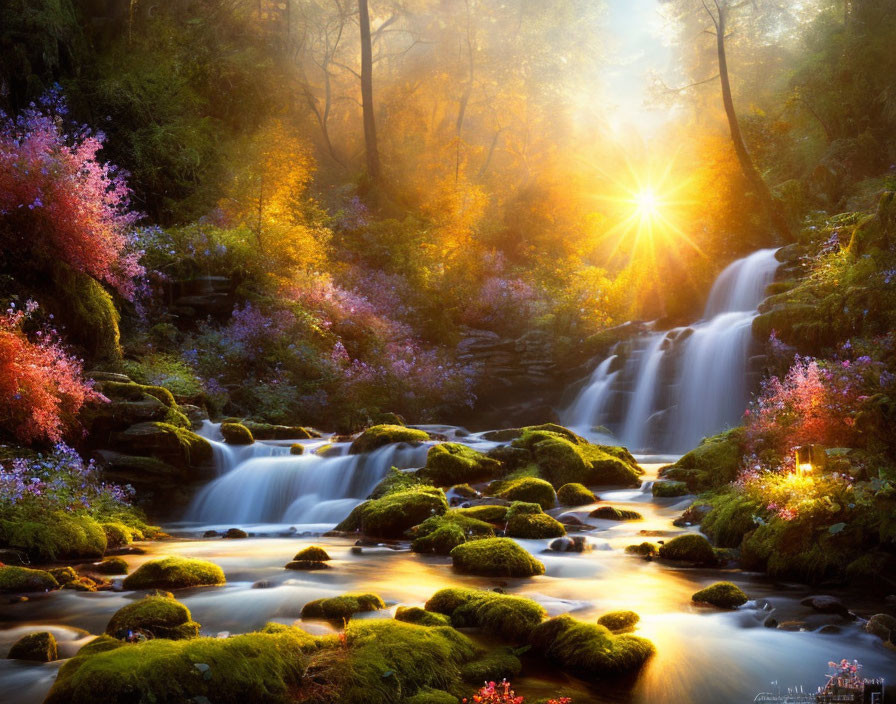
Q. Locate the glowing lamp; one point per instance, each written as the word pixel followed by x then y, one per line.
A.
pixel 809 458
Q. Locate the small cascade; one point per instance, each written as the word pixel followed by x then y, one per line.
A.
pixel 267 484
pixel 666 390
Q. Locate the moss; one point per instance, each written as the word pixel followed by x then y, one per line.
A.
pixel 296 449
pixel 495 557
pixel 691 547
pixel 100 644
pixel 590 650
pixel 465 491
pixel 269 431
pixel 154 616
pixel 487 513
pixel 174 417
pixel 117 534
pixel 722 594
pixel 339 608
pixel 236 434
pixel 391 515
pixel 432 696
pixel 25 579
pixel 452 526
pixel 619 621
pixel 174 573
pixel 575 494
pixel 525 520
pixel 421 617
pixel 730 517
pixel 713 463
pixel 453 463
pixel 111 565
pixel 611 513
pixel 177 446
pixel 643 549
pixel 306 565
pixel 668 489
pixel 380 435
pixel 495 666
pixel 130 391
pixel 63 575
pixel 81 584
pixel 55 535
pixel 508 617
pixel 441 541
pixel 529 489
pixel 312 552
pixel 386 661
pixel 37 647
pixel 256 667
pixel 235 534
pixel 88 311
pixel 394 481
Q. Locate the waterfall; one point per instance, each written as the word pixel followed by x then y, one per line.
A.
pixel 666 390
pixel 264 483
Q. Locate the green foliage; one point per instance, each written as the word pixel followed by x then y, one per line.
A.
pixel 236 434
pixel 50 536
pixel 575 494
pixel 508 617
pixel 380 435
pixel 725 595
pixel 37 647
pixel 619 621
pixel 691 547
pixel 24 579
pixel 453 463
pixel 174 573
pixel 495 557
pixel 164 370
pixel 731 517
pixel 156 617
pixel 340 608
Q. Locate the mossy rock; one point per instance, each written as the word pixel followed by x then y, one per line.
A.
pixel 691 547
pixel 118 534
pixel 612 513
pixel 87 309
pixel 432 696
pixel 312 552
pixel 236 434
pixel 495 557
pixel 525 520
pixel 269 431
pixel 669 489
pixel 575 494
pixel 235 534
pixel 441 534
pixel 56 535
pixel 396 480
pixel 340 608
pixel 495 666
pixel 63 575
pixel 379 436
pixel 36 647
pixel 388 661
pixel 730 517
pixel 725 595
pixel 453 463
pixel 132 391
pixel 392 515
pixel 619 621
pixel 713 463
pixel 174 573
pixel 111 565
pixel 306 565
pixel 528 489
pixel 440 541
pixel 487 513
pixel 465 491
pixel 421 617
pixel 256 667
pixel 508 617
pixel 643 549
pixel 176 446
pixel 296 449
pixel 81 584
pixel 155 616
pixel 590 650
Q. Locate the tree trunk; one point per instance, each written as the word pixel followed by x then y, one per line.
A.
pixel 743 156
pixel 373 157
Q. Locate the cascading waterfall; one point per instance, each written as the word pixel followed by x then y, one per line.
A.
pixel 665 391
pixel 264 483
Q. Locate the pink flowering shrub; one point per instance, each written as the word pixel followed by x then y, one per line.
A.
pixel 58 201
pixel 41 385
pixel 501 693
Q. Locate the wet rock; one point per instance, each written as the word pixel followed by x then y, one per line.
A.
pixel 830 630
pixel 155 616
pixel 883 626
pixel 611 513
pixel 770 622
pixel 64 575
pixel 22 579
pixel 693 515
pixel 210 534
pixel 825 604
pixel 261 584
pixel 37 647
pixel 194 414
pixel 791 626
pixel 575 543
pixel 307 565
pixel 235 534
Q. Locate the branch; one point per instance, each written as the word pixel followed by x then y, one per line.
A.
pixel 690 85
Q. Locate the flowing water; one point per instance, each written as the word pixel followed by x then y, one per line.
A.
pixel 666 390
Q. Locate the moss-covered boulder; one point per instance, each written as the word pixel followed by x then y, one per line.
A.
pixel 643 549
pixel 575 494
pixel 397 480
pixel 256 667
pixel 666 489
pixel 428 695
pixel 441 534
pixel 379 436
pixel 619 621
pixel 465 491
pixel 119 534
pixel 590 650
pixel 525 488
pixel 111 565
pixel 270 431
pixel 176 446
pixel 55 535
pixel 495 666
pixel 235 534
pixel 495 557
pixel 393 514
pixel 421 617
pixel 525 520
pixel 612 513
pixel 691 547
pixel 727 517
pixel 312 552
pixel 37 647
pixel 489 513
pixel 155 617
pixel 236 434
pixel 453 463
pixel 297 449
pixel 508 617
pixel 174 573
pixel 24 579
pixel 713 463
pixel 725 595
pixel 340 608
pixel 306 565
pixel 63 575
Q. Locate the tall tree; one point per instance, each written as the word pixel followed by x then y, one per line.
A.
pixel 370 145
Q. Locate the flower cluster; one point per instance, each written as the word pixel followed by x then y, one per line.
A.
pixel 73 207
pixel 41 385
pixel 501 693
